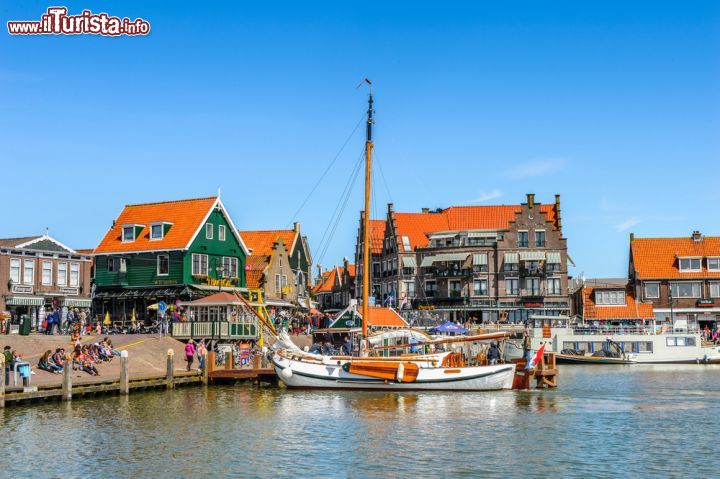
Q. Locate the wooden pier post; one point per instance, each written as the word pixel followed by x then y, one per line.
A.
pixel 2 386
pixel 67 378
pixel 170 369
pixel 228 360
pixel 212 361
pixel 124 374
pixel 205 368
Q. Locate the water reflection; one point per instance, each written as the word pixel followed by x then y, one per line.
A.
pixel 604 422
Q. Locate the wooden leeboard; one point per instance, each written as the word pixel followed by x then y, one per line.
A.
pixel 384 370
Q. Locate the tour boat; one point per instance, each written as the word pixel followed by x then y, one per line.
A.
pixel 438 371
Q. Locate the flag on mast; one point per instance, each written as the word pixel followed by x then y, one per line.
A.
pixel 537 358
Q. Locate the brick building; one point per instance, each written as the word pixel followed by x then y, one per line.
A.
pixel 38 273
pixel 335 287
pixel 680 277
pixel 484 263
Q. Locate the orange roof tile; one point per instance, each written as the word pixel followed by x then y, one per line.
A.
pixel 261 242
pixel 385 317
pixel 254 268
pixel 186 217
pixel 221 297
pixel 631 310
pixel 416 226
pixel 351 270
pixel 657 258
pixel 377 236
pixel 327 281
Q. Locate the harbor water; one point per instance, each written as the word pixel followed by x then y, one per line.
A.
pixel 603 421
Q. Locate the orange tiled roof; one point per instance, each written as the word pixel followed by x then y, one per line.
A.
pixel 385 317
pixel 416 226
pixel 351 270
pixel 377 236
pixel 261 242
pixel 632 309
pixel 657 258
pixel 186 217
pixel 327 281
pixel 220 297
pixel 254 268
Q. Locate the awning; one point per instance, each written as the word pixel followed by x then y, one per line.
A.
pixel 279 303
pixel 450 257
pixel 409 262
pixel 76 302
pixel 24 301
pixel 443 235
pixel 480 259
pixel 511 258
pixel 427 261
pixel 553 258
pixel 482 234
pixel 532 255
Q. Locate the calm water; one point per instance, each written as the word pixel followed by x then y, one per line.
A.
pixel 624 421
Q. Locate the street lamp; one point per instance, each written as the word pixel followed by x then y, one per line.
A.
pixel 220 270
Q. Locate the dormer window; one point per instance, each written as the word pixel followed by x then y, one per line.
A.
pixel 158 230
pixel 609 297
pixel 131 232
pixel 690 265
pixel 713 264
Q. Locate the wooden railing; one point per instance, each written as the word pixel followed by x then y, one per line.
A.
pixel 214 329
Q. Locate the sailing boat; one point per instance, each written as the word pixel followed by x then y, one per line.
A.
pixel 438 371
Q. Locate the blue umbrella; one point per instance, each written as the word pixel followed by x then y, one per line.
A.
pixel 449 327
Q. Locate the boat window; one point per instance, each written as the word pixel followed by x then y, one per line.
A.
pixel 598 346
pixel 645 347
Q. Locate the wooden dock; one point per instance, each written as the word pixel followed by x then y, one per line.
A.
pixel 545 373
pixel 258 373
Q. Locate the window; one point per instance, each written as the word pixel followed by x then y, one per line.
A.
pixel 15 270
pixel 480 287
pixel 689 264
pixel 685 290
pixel 209 231
pixel 713 264
pixel 156 231
pixel 62 274
pixel 554 286
pixel 652 290
pixel 430 288
pixel 123 265
pixel 230 267
pixel 610 297
pixel 75 273
pixel 532 286
pixel 511 286
pixel 128 233
pixel 522 239
pixel 539 238
pixel 29 271
pixel 221 232
pixel 454 289
pixel 680 341
pixel 163 265
pixel 47 273
pixel 410 288
pixel 111 265
pixel 277 284
pixel 406 243
pixel 510 266
pixel 199 264
pixel 715 289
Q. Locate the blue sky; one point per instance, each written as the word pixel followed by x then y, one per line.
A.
pixel 613 105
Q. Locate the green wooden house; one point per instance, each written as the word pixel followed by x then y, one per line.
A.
pixel 170 251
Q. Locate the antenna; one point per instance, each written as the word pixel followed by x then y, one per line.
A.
pixel 218 191
pixel 365 80
pixel 47 231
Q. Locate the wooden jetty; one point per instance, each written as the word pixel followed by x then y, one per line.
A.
pixel 259 372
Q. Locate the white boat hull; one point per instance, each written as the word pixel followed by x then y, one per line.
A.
pixel 318 375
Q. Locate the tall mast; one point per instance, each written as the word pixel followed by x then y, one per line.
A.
pixel 366 216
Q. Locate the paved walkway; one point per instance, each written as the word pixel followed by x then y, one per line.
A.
pixel 147 355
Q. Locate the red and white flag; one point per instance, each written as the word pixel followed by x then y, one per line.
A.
pixel 537 358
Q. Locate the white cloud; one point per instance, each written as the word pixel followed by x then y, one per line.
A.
pixel 487 196
pixel 626 225
pixel 535 168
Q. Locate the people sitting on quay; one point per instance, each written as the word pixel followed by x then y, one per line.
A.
pixel 83 361
pixel 46 363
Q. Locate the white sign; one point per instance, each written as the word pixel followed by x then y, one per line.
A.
pixel 22 288
pixel 70 291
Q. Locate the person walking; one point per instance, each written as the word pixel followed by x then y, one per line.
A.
pixel 200 351
pixel 189 353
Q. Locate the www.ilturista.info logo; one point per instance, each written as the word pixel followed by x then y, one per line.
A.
pixel 57 22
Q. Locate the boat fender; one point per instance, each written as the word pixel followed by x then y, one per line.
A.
pixel 346 367
pixel 286 373
pixel 400 372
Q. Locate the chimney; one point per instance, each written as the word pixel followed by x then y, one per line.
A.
pixel 345 263
pixel 296 226
pixel 426 210
pixel 319 267
pixel 390 207
pixel 696 236
pixel 557 211
pixel 632 237
pixel 531 199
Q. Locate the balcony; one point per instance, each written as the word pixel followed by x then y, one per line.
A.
pixel 529 270
pixel 449 272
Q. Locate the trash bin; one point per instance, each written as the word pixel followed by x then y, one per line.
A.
pixel 25 325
